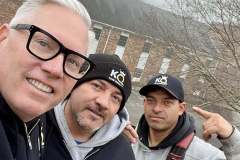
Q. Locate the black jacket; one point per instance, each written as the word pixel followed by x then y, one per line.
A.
pixel 14 142
pixel 117 149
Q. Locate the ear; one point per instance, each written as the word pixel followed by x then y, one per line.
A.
pixel 144 100
pixel 144 104
pixel 182 108
pixel 4 30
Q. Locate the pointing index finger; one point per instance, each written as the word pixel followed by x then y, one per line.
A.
pixel 202 113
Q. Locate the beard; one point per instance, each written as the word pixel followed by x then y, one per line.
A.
pixel 86 125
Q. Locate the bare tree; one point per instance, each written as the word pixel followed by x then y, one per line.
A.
pixel 206 36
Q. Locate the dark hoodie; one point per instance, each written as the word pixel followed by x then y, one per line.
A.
pixel 184 127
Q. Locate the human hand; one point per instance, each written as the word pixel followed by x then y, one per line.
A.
pixel 214 123
pixel 130 133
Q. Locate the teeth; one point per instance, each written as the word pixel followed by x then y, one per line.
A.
pixel 40 86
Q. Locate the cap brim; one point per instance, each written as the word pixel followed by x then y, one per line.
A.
pixel 148 88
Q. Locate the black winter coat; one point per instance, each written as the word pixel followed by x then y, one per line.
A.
pixel 14 142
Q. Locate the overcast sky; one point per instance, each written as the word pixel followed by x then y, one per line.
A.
pixel 164 4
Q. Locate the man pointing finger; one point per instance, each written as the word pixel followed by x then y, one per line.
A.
pixel 228 135
pixel 214 124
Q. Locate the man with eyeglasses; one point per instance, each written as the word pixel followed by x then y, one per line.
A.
pixel 42 55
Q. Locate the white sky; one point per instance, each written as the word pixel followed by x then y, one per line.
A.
pixel 164 4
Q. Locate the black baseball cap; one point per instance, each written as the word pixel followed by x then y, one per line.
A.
pixel 167 82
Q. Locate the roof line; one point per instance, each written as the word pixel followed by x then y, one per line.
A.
pixel 125 30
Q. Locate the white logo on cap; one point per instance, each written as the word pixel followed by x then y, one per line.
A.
pixel 118 77
pixel 161 80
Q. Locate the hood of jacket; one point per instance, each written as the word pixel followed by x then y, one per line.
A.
pixel 105 134
pixel 184 127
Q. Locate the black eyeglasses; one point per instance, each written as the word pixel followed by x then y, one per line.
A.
pixel 44 46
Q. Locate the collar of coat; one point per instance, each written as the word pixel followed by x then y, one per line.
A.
pixel 184 127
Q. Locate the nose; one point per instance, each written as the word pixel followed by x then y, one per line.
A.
pixel 102 100
pixel 54 67
pixel 158 108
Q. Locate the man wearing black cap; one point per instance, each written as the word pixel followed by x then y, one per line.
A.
pixel 166 131
pixel 90 121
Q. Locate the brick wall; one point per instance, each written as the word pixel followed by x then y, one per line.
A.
pixel 133 50
pixel 8 8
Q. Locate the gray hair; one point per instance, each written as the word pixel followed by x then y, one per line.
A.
pixel 30 6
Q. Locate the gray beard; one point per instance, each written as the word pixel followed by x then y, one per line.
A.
pixel 84 126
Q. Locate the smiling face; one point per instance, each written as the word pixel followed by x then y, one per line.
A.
pixel 32 86
pixel 93 104
pixel 162 110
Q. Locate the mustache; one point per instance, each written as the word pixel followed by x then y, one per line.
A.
pixel 97 110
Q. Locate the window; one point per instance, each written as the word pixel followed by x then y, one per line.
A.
pixel 164 65
pixel 142 60
pixel 138 73
pixel 147 47
pixel 120 51
pixel 140 66
pixel 97 32
pixel 169 52
pixel 93 42
pixel 121 44
pixel 122 41
pixel 184 71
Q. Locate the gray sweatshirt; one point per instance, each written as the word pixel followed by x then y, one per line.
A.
pixel 198 150
pixel 231 146
pixel 105 134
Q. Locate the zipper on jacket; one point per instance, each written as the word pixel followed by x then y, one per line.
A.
pixel 28 133
pixel 41 140
pixel 92 154
pixel 42 137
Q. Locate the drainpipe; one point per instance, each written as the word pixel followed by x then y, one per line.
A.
pixel 105 46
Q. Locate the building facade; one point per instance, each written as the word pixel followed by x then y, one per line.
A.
pixel 131 30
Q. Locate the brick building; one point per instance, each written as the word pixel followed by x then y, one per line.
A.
pixel 148 39
pixel 8 8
